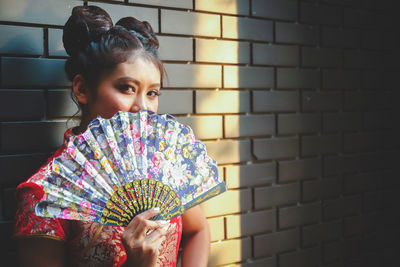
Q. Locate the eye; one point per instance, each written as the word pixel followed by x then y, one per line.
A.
pixel 153 93
pixel 126 88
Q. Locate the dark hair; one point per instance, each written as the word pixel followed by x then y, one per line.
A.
pixel 96 46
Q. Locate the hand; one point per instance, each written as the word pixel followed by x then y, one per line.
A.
pixel 142 239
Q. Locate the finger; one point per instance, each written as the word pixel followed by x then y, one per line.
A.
pixel 149 213
pixel 143 216
pixel 163 224
pixel 144 226
pixel 156 235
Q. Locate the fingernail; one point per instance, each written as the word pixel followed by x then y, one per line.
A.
pixel 163 222
pixel 157 209
pixel 166 227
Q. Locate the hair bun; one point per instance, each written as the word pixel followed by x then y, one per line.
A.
pixel 142 30
pixel 85 24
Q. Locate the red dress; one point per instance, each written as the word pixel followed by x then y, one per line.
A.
pixel 90 244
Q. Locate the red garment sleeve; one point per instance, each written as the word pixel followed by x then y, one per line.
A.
pixel 28 224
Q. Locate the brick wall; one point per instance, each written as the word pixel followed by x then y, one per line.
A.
pixel 295 99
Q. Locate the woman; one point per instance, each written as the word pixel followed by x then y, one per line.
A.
pixel 112 68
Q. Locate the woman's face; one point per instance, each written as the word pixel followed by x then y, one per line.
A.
pixel 132 86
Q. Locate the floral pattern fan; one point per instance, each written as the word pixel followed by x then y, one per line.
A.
pixel 122 166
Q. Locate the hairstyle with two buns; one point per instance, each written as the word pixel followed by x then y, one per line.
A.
pixel 96 46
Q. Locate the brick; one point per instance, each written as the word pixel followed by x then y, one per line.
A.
pixel 375 39
pixel 335 264
pixel 60 103
pixel 277 242
pixel 365 260
pixel 295 33
pixel 390 198
pixel 250 223
pixel 322 189
pixel 222 6
pixel 372 202
pixel 12 173
pixel 120 11
pixel 169 99
pixel 265 262
pixel 358 162
pixel 377 79
pixel 294 216
pixel 369 141
pixel 33 72
pixel 321 232
pixel 222 51
pixel 321 14
pixel 338 208
pixel 229 151
pixel 9 244
pixel 190 23
pixel 21 40
pixel 368 100
pixel 250 175
pixel 363 59
pixel 298 123
pixel 248 77
pixel 266 101
pixel 338 37
pixel 232 201
pixel 341 79
pixel 344 121
pixel 176 48
pixel 316 101
pixel 32 11
pixel 56 46
pixel 303 258
pixel 217 228
pixel 43 136
pixel 379 40
pixel 299 169
pixel 30 104
pixel 189 75
pixel 245 28
pixel 321 144
pixel 275 148
pixel 341 164
pixel 229 251
pixel 361 224
pixel 274 9
pixel 204 127
pixel 167 3
pixel 226 101
pixel 297 78
pixel 277 195
pixel 345 248
pixel 283 55
pixel 321 57
pixel 388 179
pixel 249 125
pixel 360 19
pixel 10 205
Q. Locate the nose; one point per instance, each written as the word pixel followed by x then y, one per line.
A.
pixel 138 104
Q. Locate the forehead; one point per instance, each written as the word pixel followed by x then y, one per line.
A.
pixel 138 67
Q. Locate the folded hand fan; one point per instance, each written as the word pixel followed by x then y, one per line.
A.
pixel 122 166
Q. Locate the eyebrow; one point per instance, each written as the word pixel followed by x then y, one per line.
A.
pixel 130 79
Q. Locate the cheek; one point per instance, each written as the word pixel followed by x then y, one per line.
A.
pixel 111 104
pixel 153 106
